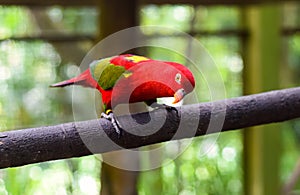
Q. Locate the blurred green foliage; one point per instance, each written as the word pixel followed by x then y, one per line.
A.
pixel 11 23
pixel 26 71
pixel 211 165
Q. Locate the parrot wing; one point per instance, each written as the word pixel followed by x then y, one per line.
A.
pixel 107 74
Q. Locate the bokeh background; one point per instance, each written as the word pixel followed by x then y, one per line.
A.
pixel 256 47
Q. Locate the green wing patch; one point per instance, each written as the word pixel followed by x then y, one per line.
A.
pixel 110 75
pixel 105 73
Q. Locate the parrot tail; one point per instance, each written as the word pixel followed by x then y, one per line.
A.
pixel 84 79
pixel 63 83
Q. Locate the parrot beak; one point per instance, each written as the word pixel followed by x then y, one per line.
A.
pixel 178 96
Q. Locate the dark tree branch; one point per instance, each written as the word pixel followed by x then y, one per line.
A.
pixel 76 139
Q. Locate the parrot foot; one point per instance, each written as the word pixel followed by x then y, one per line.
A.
pixel 170 108
pixel 109 115
pixel 164 106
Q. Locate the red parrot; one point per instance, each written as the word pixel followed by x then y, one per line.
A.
pixel 130 78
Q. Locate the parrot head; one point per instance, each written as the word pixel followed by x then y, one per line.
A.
pixel 183 80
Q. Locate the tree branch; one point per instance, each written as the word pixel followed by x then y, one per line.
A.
pixel 21 147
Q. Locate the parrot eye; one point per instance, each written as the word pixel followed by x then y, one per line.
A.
pixel 178 78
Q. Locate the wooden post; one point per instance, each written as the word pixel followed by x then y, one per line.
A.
pixel 262 145
pixel 114 16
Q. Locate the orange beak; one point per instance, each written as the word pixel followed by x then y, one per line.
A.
pixel 178 96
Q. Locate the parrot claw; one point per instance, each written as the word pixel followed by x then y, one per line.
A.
pixel 109 115
pixel 164 106
pixel 170 108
